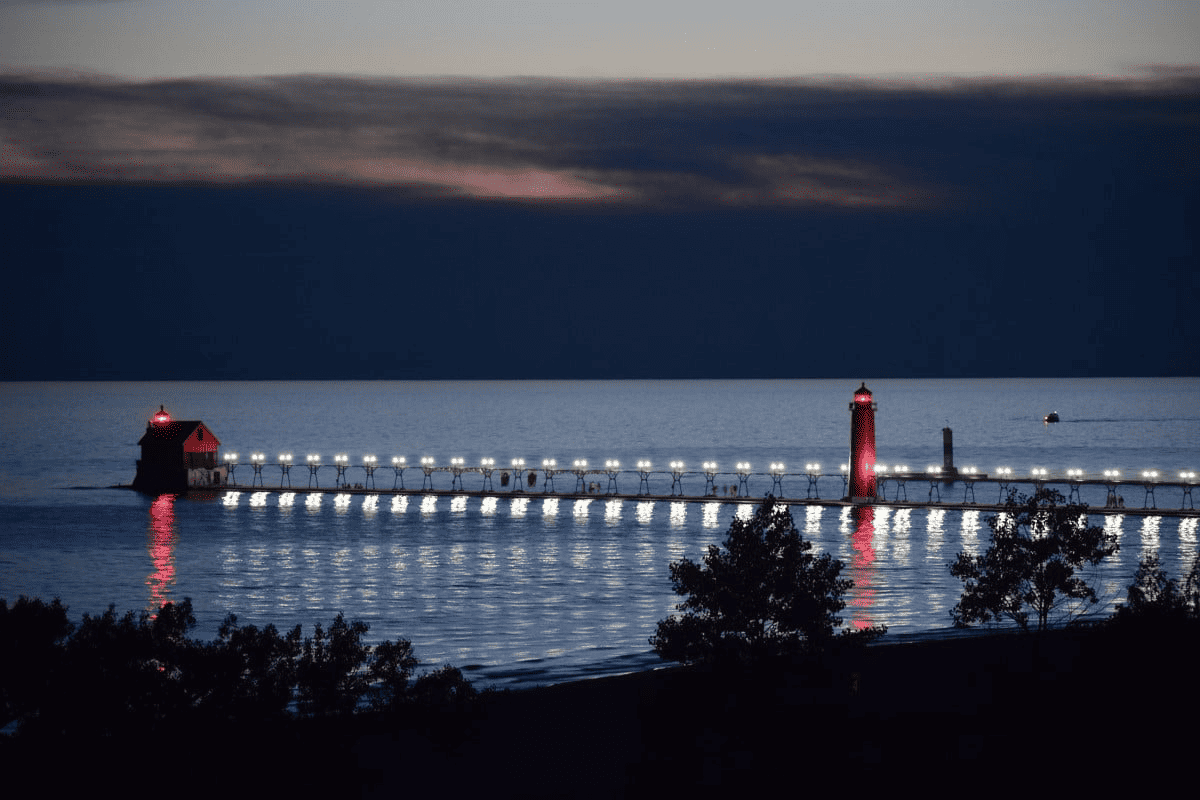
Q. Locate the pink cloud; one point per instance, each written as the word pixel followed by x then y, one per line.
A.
pixel 547 143
pixel 473 180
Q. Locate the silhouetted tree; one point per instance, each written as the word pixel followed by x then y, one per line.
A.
pixel 392 664
pixel 140 673
pixel 329 674
pixel 1191 588
pixel 119 674
pixel 32 635
pixel 251 671
pixel 1038 544
pixel 1154 598
pixel 445 687
pixel 762 594
pixel 1153 592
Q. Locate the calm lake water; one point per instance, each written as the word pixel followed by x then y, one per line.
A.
pixel 530 590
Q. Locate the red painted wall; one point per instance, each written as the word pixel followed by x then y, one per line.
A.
pixel 196 444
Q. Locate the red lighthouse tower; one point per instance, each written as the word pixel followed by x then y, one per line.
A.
pixel 862 446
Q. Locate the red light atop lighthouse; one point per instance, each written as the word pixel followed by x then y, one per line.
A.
pixel 862 446
pixel 161 417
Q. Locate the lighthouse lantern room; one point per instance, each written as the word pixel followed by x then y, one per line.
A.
pixel 178 455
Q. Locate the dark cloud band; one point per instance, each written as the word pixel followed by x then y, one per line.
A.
pixel 843 144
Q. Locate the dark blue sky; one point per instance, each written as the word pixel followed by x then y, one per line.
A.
pixel 691 229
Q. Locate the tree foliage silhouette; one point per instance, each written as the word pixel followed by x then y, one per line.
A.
pixel 32 633
pixel 137 671
pixel 140 673
pixel 329 675
pixel 392 665
pixel 253 669
pixel 1038 544
pixel 762 594
pixel 1156 599
pixel 445 687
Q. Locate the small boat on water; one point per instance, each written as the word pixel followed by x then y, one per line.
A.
pixel 1051 417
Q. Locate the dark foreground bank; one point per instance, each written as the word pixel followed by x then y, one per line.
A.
pixel 1076 708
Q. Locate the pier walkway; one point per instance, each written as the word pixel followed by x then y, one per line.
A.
pixel 940 488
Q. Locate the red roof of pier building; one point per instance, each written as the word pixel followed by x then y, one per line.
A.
pixel 182 442
pixel 193 435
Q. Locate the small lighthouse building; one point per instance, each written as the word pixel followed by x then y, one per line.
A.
pixel 178 455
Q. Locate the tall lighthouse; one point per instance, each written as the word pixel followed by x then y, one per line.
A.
pixel 862 446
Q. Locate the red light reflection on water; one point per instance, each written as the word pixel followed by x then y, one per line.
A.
pixel 161 536
pixel 862 566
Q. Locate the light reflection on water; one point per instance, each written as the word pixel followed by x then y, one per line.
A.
pixel 160 542
pixel 1149 535
pixel 862 566
pixel 937 518
pixel 472 585
pixel 902 545
pixel 1187 535
pixel 1114 527
pixel 970 533
pixel 530 583
pixel 812 520
pixel 881 540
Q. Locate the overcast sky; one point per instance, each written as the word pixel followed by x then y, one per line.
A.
pixel 541 189
pixel 614 38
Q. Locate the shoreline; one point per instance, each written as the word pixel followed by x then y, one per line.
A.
pixel 947 710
